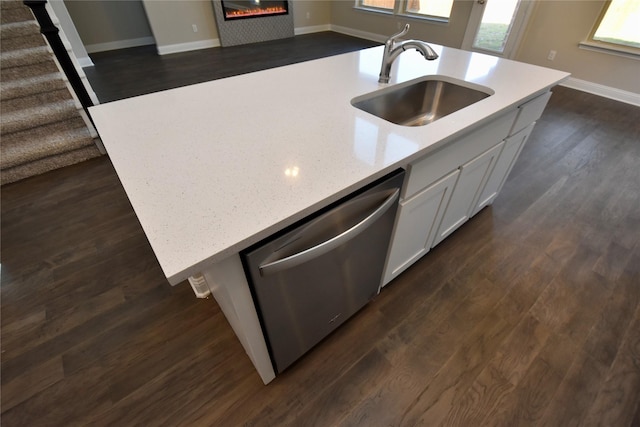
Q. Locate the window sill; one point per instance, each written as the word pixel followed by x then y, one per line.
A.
pixel 626 52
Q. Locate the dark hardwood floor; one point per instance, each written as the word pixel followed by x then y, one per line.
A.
pixel 136 71
pixel 527 315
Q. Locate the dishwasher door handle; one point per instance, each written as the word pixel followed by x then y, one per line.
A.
pixel 328 245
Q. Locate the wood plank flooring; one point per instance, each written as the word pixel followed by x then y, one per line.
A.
pixel 527 315
pixel 136 71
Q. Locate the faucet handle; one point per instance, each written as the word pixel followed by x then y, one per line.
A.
pixel 404 31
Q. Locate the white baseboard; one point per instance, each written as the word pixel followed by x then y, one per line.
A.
pixel 119 44
pixel 357 33
pixel 311 29
pixel 604 91
pixel 189 46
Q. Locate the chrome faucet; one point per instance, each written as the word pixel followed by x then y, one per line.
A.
pixel 392 50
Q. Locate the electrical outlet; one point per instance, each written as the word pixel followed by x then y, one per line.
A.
pixel 195 28
pixel 399 25
pixel 308 15
pixel 552 55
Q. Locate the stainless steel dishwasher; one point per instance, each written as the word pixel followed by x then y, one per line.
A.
pixel 308 280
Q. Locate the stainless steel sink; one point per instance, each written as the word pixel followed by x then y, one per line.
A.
pixel 420 102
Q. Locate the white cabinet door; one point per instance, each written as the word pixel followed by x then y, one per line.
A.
pixel 473 176
pixel 415 227
pixel 512 148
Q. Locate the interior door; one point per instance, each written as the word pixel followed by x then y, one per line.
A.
pixel 496 26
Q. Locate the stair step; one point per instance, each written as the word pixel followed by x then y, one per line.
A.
pixel 41 128
pixel 48 164
pixel 15 14
pixel 31 86
pixel 10 4
pixel 24 147
pixel 20 35
pixel 37 116
pixel 23 42
pixel 18 29
pixel 22 57
pixel 44 130
pixel 35 100
pixel 29 70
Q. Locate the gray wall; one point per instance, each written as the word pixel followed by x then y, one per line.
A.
pixel 561 25
pixel 558 25
pixel 108 24
pixel 172 20
pixel 116 24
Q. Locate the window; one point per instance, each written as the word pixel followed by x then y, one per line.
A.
pixel 431 9
pixel 617 27
pixel 377 4
pixel 434 8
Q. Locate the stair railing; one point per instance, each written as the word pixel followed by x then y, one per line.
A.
pixel 50 31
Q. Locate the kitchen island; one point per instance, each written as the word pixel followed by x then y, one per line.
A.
pixel 214 168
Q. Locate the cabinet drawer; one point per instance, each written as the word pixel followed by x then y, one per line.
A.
pixel 529 112
pixel 437 164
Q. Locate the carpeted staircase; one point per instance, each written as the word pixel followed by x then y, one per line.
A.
pixel 41 123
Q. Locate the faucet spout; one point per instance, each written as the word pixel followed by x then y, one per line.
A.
pixel 426 50
pixel 392 50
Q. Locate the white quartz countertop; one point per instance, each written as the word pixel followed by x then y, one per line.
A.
pixel 215 167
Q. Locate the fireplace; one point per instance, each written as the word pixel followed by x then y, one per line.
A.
pixel 243 9
pixel 250 21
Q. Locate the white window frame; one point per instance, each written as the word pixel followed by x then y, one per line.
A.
pixel 400 9
pixel 611 48
pixel 360 6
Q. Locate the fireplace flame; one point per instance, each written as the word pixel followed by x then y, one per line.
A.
pixel 255 12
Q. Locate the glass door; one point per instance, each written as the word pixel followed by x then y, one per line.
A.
pixel 495 26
